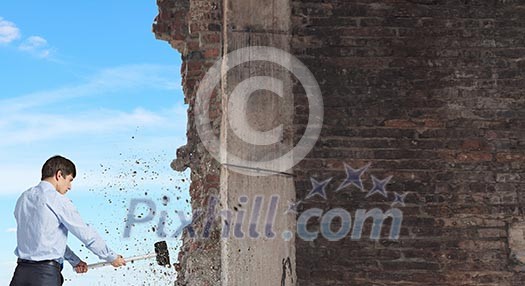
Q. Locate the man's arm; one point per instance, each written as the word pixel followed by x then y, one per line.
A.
pixel 71 257
pixel 79 265
pixel 70 218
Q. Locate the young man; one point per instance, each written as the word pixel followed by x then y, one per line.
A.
pixel 44 216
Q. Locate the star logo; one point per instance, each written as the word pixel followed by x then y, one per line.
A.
pixel 318 188
pixel 379 186
pixel 353 177
pixel 399 199
pixel 292 207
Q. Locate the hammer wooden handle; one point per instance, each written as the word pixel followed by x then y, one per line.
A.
pixel 128 260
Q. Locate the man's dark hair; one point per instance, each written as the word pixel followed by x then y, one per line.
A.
pixel 58 163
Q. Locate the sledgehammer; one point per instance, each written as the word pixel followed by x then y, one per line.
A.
pixel 161 253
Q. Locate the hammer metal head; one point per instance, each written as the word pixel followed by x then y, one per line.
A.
pixel 163 256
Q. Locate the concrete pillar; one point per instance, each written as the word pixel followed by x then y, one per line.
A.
pixel 257 258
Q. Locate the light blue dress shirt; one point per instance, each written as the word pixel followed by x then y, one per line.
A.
pixel 44 217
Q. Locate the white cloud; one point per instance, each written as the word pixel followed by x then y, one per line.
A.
pixel 8 31
pixel 88 147
pixel 11 229
pixel 34 127
pixel 31 173
pixel 36 46
pixel 122 78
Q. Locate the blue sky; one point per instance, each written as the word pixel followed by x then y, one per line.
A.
pixel 88 80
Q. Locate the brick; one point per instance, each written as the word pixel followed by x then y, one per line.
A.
pixel 211 53
pixel 473 157
pixel 510 157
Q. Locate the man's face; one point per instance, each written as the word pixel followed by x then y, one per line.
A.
pixel 64 183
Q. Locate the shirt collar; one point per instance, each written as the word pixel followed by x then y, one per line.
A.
pixel 45 185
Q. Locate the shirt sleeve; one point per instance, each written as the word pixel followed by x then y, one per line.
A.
pixel 71 257
pixel 68 215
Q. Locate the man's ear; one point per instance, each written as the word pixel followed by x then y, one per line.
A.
pixel 58 174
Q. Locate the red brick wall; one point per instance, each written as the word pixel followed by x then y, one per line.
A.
pixel 194 29
pixel 431 92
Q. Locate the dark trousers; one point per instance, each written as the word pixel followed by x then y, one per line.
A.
pixel 37 274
